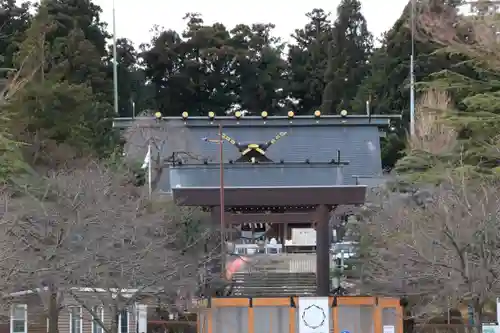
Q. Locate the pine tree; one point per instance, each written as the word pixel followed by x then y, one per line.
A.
pixel 474 89
pixel 63 109
pixel 349 53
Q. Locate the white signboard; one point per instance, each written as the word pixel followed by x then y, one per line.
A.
pixel 314 315
pixel 389 329
pixel 490 328
pixel 303 236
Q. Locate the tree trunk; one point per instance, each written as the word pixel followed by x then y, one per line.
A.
pixel 53 312
pixel 115 321
pixel 478 315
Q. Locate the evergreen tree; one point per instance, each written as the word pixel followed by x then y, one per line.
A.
pixel 64 106
pixel 164 65
pixel 259 69
pixel 349 53
pixel 307 61
pixel 387 86
pixel 209 68
pixel 14 20
pixel 474 88
pixel 134 94
pixel 77 43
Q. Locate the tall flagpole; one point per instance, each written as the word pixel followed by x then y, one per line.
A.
pixel 150 169
pixel 115 62
pixel 412 71
pixel 148 164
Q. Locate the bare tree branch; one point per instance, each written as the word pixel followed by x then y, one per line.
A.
pixel 89 232
pixel 441 250
pixel 433 135
pixel 475 36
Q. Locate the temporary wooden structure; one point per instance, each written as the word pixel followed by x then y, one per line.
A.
pixel 346 314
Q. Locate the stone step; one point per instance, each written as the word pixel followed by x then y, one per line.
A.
pixel 278 280
pixel 264 278
pixel 289 283
pixel 292 287
pixel 274 292
pixel 249 292
pixel 282 284
pixel 276 274
pixel 274 284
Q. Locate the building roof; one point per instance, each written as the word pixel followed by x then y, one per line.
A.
pixel 271 196
pixel 226 121
pixel 123 292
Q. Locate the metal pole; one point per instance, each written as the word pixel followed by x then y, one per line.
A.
pixel 115 62
pixel 150 170
pixel 412 70
pixel 222 208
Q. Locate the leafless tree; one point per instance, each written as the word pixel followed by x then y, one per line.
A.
pixel 89 232
pixel 440 247
pixel 433 134
pixel 37 237
pixel 170 141
pixel 8 254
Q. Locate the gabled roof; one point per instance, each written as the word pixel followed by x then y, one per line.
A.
pixel 253 121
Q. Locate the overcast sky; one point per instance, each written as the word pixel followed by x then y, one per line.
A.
pixel 134 18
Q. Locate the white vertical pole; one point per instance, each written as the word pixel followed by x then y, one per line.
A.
pixel 412 71
pixel 498 311
pixel 115 63
pixel 412 98
pixel 150 170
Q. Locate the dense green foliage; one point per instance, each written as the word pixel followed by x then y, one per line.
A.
pixel 56 101
pixel 62 100
pixel 465 65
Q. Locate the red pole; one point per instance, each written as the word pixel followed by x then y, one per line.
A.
pixel 222 208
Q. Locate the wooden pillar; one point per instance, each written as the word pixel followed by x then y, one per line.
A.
pixel 281 234
pixel 323 250
pixel 377 318
pixel 286 235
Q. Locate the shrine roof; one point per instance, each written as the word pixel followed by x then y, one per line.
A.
pixel 230 121
pixel 271 196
